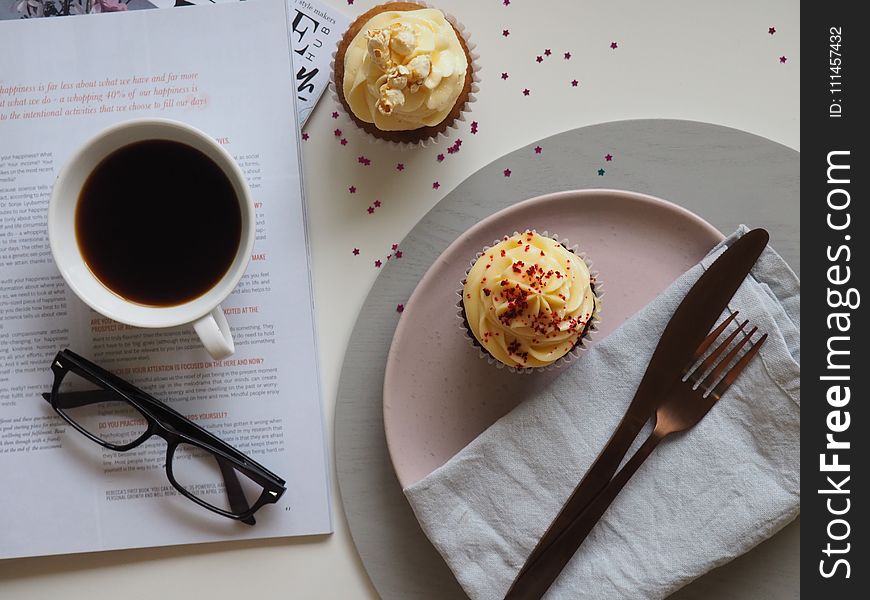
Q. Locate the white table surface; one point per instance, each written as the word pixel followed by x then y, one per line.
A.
pixel 682 59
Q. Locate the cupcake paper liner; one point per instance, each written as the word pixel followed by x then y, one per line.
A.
pixel 454 126
pixel 571 355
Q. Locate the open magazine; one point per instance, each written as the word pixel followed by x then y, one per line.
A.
pixel 226 70
pixel 314 30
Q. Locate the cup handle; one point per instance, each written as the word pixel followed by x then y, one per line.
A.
pixel 214 332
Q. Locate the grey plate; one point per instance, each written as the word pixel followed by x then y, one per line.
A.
pixel 724 175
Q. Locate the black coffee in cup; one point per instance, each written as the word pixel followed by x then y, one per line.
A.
pixel 158 223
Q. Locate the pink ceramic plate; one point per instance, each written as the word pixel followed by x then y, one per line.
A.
pixel 439 395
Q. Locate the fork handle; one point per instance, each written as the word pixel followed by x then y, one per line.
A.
pixel 594 481
pixel 534 582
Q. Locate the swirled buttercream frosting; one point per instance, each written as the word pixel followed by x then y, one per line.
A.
pixel 528 300
pixel 404 70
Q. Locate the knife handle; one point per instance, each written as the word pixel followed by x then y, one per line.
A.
pixel 535 582
pixel 595 480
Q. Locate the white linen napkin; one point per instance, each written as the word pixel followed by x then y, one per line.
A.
pixel 701 499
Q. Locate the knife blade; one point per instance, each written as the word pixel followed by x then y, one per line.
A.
pixel 687 328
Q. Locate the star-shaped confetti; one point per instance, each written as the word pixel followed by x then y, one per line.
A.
pixel 435 185
pixel 574 83
pixel 398 254
pixel 526 92
pixel 305 137
pixel 349 2
pixel 505 32
pixel 614 45
pixel 538 149
pixel 474 126
pixel 783 58
pixel 352 189
pixel 400 308
pixel 539 59
pixel 567 56
pixel 378 263
pixel 504 75
pixel 377 203
pixel 440 157
pixel 547 52
pixel 601 172
pixel 507 172
pixel 395 247
pixel 334 114
pixel 363 161
pixel 343 142
pixel 506 2
pixel 371 209
pixel 608 157
pixel 400 166
pixel 356 251
pixel 337 133
pixel 771 30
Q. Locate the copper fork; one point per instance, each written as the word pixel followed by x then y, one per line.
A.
pixel 687 403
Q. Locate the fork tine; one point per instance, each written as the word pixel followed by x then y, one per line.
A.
pixel 713 335
pixel 735 371
pixel 717 352
pixel 714 374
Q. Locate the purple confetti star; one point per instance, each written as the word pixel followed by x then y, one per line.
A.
pixel 538 149
pixel 400 308
pixel 504 75
pixel 371 209
pixel 783 58
pixel 349 2
pixel 450 150
pixel 398 254
pixel 574 83
pixel 458 142
pixel 506 2
pixel 356 251
pixel 608 157
pixel 567 56
pixel 526 92
pixel 378 263
pixel 337 133
pixel 400 167
pixel 436 185
pixel 343 142
pixel 352 189
pixel 305 137
pixel 507 172
pixel 474 126
pixel 539 59
pixel 771 30
pixel 547 52
pixel 395 247
pixel 614 45
pixel 440 157
pixel 505 32
pixel 334 114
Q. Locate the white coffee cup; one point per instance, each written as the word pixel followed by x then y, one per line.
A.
pixel 203 312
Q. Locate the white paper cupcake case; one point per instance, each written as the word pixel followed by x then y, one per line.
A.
pixel 453 128
pixel 559 363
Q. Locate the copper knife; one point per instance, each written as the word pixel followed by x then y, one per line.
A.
pixel 689 325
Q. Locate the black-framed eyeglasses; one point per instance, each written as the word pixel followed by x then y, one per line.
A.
pixel 119 416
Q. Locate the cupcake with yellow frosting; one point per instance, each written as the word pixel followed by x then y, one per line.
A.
pixel 403 72
pixel 528 302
